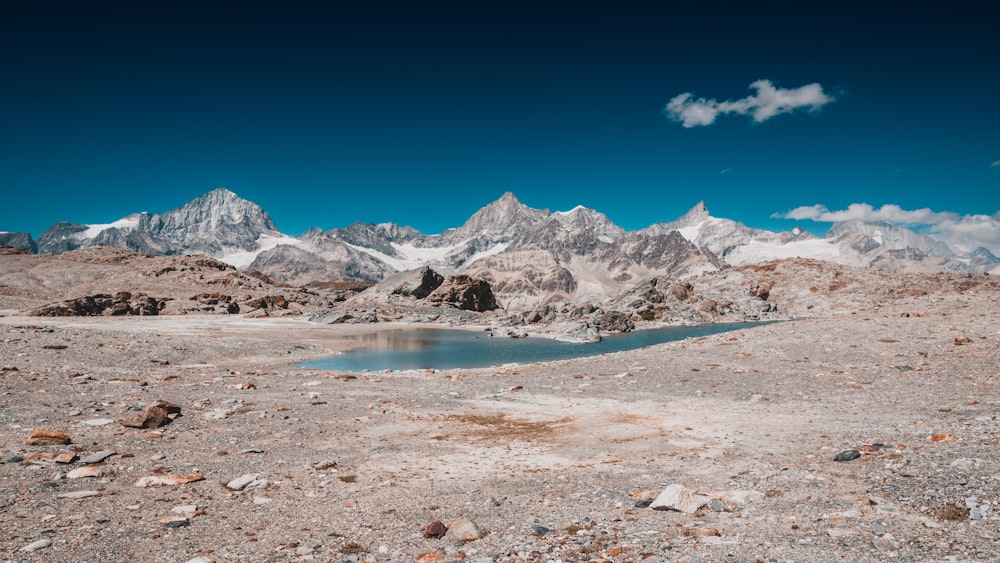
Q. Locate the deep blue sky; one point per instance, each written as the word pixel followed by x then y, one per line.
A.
pixel 326 113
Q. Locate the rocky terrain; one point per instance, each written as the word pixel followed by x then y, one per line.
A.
pixel 866 429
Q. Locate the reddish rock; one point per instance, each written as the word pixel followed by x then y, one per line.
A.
pixel 702 532
pixel 153 415
pixel 47 438
pixel 942 437
pixel 429 557
pixel 168 480
pixel 68 457
pixel 435 530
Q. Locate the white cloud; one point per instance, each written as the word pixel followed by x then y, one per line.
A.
pixel 963 233
pixel 864 212
pixel 767 102
pixel 995 164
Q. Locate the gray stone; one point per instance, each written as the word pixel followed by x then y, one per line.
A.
pixel 35 546
pixel 248 481
pixel 97 457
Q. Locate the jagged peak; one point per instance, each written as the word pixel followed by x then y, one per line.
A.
pixel 696 214
pixel 502 214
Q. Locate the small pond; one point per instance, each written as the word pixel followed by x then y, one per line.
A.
pixel 430 348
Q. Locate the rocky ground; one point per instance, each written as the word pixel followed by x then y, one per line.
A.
pixel 259 460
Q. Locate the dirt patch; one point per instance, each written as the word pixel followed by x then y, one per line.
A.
pixel 496 426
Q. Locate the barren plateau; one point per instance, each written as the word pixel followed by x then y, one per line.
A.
pixel 266 461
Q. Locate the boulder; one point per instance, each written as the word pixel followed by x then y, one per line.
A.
pixel 465 293
pixel 153 415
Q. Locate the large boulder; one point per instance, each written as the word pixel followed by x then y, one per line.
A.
pixel 466 293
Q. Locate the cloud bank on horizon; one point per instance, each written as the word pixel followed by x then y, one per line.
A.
pixel 767 102
pixel 963 233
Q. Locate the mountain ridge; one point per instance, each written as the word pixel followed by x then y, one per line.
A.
pixel 532 255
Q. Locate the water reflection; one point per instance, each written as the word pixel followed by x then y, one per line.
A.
pixel 450 349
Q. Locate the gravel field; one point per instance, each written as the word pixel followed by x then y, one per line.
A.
pixel 544 462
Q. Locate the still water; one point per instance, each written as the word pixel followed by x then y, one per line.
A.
pixel 450 349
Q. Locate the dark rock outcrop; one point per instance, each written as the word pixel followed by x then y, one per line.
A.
pixel 121 303
pixel 466 293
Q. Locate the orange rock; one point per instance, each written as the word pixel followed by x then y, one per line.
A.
pixel 942 437
pixel 167 480
pixel 429 557
pixel 701 532
pixel 868 448
pixel 68 457
pixel 47 438
pixel 960 340
pixel 41 455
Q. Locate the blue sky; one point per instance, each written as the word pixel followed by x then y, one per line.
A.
pixel 326 113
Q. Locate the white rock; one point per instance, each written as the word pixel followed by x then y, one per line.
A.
pixel 40 544
pixel 680 498
pixel 262 500
pixel 201 560
pixel 96 422
pixel 248 481
pixel 81 472
pixel 79 494
pixel 184 509
pixel 463 529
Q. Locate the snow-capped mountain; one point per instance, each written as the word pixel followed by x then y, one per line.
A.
pixel 220 224
pixel 529 255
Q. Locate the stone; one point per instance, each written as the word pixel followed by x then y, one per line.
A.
pixel 82 472
pixel 96 422
pixel 847 455
pixel 175 521
pixel 463 529
pixel 465 293
pixel 248 481
pixel 38 545
pixel 47 438
pixel 77 495
pixel 200 560
pixel 737 498
pixel 841 532
pixel 67 457
pixel 97 457
pixel 435 530
pixel 679 498
pixel 168 480
pixel 942 437
pixel 153 415
pixel 429 557
pixel 701 532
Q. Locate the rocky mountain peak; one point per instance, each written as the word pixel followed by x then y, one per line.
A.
pixel 695 215
pixel 502 216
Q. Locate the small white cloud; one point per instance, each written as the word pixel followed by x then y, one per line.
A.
pixel 995 164
pixel 963 233
pixel 725 171
pixel 767 102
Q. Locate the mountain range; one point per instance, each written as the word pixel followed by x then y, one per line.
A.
pixel 529 256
